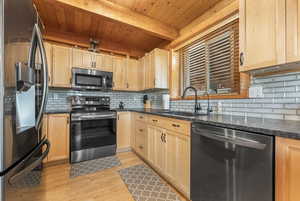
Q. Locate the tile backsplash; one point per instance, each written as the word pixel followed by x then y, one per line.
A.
pixel 59 99
pixel 281 100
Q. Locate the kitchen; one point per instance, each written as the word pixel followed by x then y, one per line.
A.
pixel 150 100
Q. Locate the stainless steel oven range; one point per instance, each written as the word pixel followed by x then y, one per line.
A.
pixel 93 128
pixel 91 79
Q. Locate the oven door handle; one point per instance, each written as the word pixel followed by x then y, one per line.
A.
pixel 94 117
pixel 237 141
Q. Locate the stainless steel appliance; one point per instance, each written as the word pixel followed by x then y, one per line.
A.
pixel 23 96
pixel 93 128
pixel 91 79
pixel 231 165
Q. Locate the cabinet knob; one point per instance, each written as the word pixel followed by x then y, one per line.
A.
pixel 141 130
pixel 141 147
pixel 154 120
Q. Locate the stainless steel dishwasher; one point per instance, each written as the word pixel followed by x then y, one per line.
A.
pixel 231 165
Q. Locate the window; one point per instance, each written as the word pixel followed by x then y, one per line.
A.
pixel 211 62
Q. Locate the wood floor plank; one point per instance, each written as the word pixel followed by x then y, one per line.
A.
pixel 105 185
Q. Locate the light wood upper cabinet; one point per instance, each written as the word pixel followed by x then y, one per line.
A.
pixel 262 41
pixel 161 66
pixel 49 56
pixel 61 66
pixel 119 73
pixel 292 30
pixel 123 130
pixel 82 58
pixel 132 75
pixel 141 74
pixel 59 137
pixel 156 69
pixel 104 62
pixel 287 169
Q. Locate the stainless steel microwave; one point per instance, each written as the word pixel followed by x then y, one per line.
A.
pixel 90 79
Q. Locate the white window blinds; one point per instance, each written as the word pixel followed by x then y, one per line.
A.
pixel 211 62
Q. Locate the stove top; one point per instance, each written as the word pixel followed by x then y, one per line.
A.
pixel 90 104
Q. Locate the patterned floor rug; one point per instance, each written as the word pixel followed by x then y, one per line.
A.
pixel 30 180
pixel 92 166
pixel 145 185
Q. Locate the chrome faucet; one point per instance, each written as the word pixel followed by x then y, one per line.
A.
pixel 197 106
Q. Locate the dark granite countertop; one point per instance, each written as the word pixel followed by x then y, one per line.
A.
pixel 57 111
pixel 282 128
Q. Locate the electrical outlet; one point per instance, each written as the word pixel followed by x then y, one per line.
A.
pixel 256 91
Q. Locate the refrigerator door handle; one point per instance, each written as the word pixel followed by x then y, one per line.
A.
pixel 32 165
pixel 37 40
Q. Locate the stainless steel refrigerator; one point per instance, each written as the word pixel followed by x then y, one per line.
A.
pixel 23 96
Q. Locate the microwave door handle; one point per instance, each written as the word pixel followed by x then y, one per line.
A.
pixel 104 81
pixel 32 165
pixel 237 141
pixel 45 74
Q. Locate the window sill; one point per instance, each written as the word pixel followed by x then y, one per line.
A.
pixel 242 95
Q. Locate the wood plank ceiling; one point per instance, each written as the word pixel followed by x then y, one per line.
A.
pixel 64 23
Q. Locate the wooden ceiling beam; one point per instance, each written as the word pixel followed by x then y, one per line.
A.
pixel 83 41
pixel 125 15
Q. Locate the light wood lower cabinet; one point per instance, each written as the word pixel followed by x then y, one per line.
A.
pixel 123 131
pixel 56 128
pixel 287 169
pixel 167 151
pixel 177 168
pixel 159 149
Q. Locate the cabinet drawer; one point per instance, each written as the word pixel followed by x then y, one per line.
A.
pixel 177 126
pixel 141 117
pixel 155 120
pixel 141 144
pixel 140 127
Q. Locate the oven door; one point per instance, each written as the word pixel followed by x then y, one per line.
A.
pixel 92 136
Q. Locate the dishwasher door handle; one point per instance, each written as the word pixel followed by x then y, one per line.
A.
pixel 237 141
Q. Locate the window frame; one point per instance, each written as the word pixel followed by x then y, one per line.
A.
pixel 244 79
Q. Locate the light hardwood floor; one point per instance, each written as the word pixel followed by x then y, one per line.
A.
pixel 105 185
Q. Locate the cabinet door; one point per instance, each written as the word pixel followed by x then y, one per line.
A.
pixel 151 70
pixel 48 48
pixel 123 130
pixel 82 59
pixel 262 41
pixel 159 150
pixel 161 65
pixel 132 75
pixel 104 62
pixel 150 144
pixel 58 135
pixel 61 68
pixel 119 75
pixel 178 160
pixel 141 74
pixel 292 30
pixel 287 169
